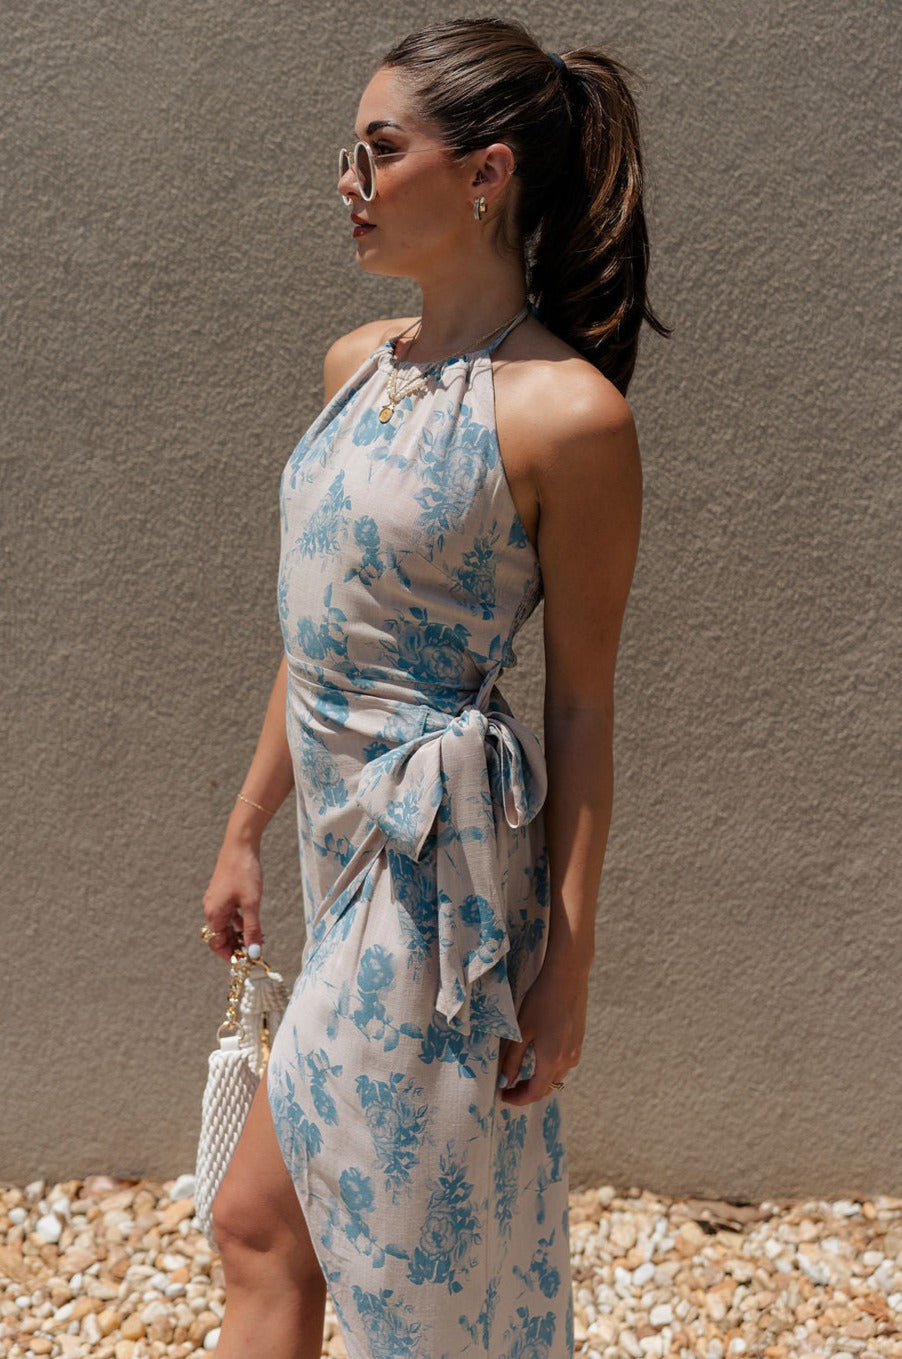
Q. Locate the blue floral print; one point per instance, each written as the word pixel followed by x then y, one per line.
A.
pixel 324 527
pixel 390 1324
pixel 323 638
pixel 321 773
pixel 534 1336
pixel 396 1117
pixel 474 579
pixel 319 1069
pixel 511 1140
pixel 450 1232
pixel 542 1274
pixel 425 650
pixel 375 558
pixel 437 1211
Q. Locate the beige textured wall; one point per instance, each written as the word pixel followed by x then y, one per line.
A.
pixel 174 262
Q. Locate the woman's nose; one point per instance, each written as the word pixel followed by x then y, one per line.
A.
pixel 347 184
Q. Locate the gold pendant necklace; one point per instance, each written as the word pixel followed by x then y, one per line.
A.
pixel 395 394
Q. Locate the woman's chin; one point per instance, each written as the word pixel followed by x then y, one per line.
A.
pixel 367 257
pixel 371 263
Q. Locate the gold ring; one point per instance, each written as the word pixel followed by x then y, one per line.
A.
pixel 557 1085
pixel 207 934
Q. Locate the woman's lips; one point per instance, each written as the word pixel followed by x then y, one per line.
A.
pixel 360 227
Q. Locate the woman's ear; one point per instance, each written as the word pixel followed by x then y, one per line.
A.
pixel 494 169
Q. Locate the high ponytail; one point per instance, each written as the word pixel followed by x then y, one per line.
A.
pixel 589 256
pixel 573 128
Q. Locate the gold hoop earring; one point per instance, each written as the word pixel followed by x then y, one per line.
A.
pixel 480 208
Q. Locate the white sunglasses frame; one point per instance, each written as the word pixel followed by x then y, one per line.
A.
pixel 373 158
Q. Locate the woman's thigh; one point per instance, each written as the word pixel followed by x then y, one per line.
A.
pixel 257 1204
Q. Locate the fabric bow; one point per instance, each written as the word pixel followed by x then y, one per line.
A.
pixel 457 777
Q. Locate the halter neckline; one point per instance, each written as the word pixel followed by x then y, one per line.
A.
pixel 389 346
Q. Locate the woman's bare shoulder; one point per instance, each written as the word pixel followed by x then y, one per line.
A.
pixel 551 397
pixel 345 355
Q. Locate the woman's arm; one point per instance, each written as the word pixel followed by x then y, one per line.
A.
pixel 589 486
pixel 232 900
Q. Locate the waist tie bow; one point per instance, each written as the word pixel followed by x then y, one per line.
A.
pixel 451 778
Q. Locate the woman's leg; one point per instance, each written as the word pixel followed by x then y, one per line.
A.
pixel 275 1290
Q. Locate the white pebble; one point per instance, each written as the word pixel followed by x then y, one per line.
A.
pixel 17 1216
pixel 49 1228
pixel 882 1277
pixel 34 1190
pixel 814 1270
pixel 183 1188
pixel 211 1339
pixel 90 1329
pixel 643 1274
pixel 62 1205
pixel 661 1315
pixel 174 1290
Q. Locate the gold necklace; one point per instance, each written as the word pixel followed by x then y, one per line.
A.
pixel 395 394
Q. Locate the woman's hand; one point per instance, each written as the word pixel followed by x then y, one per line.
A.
pixel 232 900
pixel 552 1017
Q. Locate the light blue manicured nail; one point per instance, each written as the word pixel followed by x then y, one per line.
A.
pixel 254 951
pixel 502 1081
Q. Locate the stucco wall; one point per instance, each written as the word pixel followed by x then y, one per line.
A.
pixel 175 260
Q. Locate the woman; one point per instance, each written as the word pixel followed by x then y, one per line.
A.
pixel 406 1146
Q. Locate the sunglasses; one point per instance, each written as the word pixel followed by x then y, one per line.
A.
pixel 362 160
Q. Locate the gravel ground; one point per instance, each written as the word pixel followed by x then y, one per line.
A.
pixel 117 1269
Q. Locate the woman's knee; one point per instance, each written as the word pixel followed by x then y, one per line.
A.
pixel 239 1222
pixel 247 1224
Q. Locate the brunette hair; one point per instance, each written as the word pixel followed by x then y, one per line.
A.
pixel 573 129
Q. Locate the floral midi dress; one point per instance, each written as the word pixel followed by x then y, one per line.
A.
pixel 438 1213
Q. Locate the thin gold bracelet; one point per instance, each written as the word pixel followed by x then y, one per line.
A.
pixel 250 802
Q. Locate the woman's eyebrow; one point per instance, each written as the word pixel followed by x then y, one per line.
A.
pixel 378 123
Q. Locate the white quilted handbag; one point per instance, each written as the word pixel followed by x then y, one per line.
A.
pixel 257 1001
